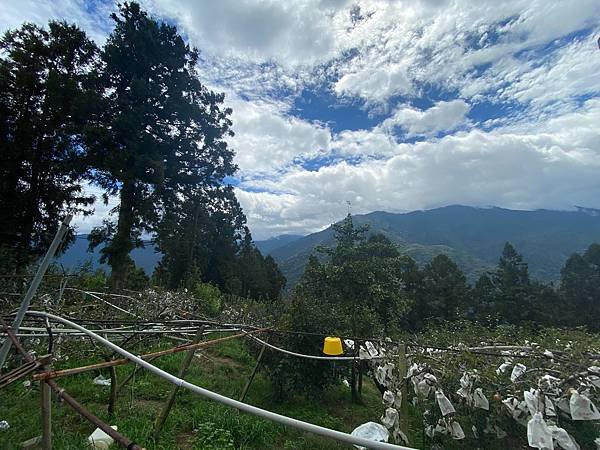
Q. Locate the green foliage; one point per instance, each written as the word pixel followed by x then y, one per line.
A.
pixel 209 437
pixel 209 297
pixel 358 291
pixel 442 292
pixel 159 134
pixel 580 288
pixel 46 78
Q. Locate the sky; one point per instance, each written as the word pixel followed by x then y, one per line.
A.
pixel 388 105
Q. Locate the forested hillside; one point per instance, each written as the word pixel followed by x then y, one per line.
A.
pixel 472 237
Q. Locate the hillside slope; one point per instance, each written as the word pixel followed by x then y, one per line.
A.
pixel 473 237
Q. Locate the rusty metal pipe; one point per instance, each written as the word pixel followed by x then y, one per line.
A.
pixel 119 362
pixel 123 441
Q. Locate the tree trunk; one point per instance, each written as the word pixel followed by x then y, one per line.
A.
pixel 122 243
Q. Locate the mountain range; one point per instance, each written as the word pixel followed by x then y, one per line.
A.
pixel 472 237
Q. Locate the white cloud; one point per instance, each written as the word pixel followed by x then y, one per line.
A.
pixel 265 52
pixel 94 19
pixel 85 224
pixel 550 165
pixel 268 140
pixel 376 85
pixel 444 116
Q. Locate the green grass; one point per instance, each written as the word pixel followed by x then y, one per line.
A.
pixel 194 423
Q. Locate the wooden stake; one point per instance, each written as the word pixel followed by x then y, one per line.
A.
pixel 249 382
pixel 402 369
pixel 160 421
pixel 147 356
pixel 113 392
pixel 46 416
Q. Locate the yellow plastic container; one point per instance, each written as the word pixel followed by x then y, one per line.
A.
pixel 332 346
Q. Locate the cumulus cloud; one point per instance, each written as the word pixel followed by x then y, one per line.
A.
pixel 550 165
pixel 444 116
pixel 267 139
pixel 536 59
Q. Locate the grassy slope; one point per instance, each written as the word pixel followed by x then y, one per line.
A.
pixel 194 423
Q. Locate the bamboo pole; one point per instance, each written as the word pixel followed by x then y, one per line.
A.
pixel 37 279
pixel 122 361
pixel 123 441
pixel 249 382
pixel 46 416
pixel 402 368
pixel 162 418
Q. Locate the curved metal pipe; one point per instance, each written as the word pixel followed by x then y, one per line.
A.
pixel 269 415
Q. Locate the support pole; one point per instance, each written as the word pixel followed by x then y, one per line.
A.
pixel 61 393
pixel 402 369
pixel 249 382
pixel 160 421
pixel 46 416
pixel 37 279
pixel 113 392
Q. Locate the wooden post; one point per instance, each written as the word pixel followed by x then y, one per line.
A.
pixel 160 421
pixel 249 382
pixel 46 416
pixel 402 369
pixel 113 392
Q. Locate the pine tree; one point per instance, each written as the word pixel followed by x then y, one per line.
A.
pixel 580 288
pixel 515 294
pixel 443 290
pixel 46 88
pixel 160 134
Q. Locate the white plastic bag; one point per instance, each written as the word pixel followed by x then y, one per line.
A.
pixel 532 398
pixel 456 430
pixel 371 431
pixel 4 425
pixel 466 381
pixel 480 400
pixel 582 408
pixel 563 439
pixel 371 349
pixel 505 365
pixel 517 371
pixel 423 388
pixel 444 404
pixel 363 353
pixel 538 433
pixel 380 373
pixel 349 343
pixel 99 440
pixel 550 409
pixel 101 381
pixel 597 442
pixel 388 398
pixel 390 418
pixel 398 400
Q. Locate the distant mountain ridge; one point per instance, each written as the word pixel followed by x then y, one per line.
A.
pixel 77 255
pixel 472 237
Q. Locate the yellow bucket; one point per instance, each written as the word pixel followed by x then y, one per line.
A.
pixel 332 346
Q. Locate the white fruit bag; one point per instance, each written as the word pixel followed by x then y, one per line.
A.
pixel 480 400
pixel 444 404
pixel 538 433
pixel 582 408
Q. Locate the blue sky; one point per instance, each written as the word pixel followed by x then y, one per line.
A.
pixel 391 105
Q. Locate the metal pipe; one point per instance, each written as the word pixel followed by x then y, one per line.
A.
pixel 269 415
pixel 120 362
pixel 320 358
pixel 58 237
pixel 60 392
